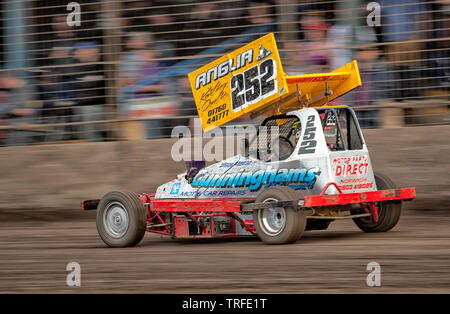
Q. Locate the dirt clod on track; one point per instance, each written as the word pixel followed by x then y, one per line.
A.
pixel 414 257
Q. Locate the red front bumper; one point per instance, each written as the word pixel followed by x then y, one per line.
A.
pixel 403 194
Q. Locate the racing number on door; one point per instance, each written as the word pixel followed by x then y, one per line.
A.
pixel 308 145
pixel 252 85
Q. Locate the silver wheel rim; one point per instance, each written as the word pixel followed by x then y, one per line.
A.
pixel 115 220
pixel 272 220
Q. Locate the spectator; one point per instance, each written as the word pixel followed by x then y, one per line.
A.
pixel 158 21
pixel 315 50
pixel 260 12
pixel 438 51
pixel 134 18
pixel 58 35
pixel 162 25
pixel 260 20
pixel 327 8
pixel 231 17
pixel 372 69
pixel 294 63
pixel 137 63
pixel 366 94
pixel 88 84
pixel 56 91
pixel 14 95
pixel 63 34
pixel 203 28
pixel 56 85
pixel 401 22
pixel 339 38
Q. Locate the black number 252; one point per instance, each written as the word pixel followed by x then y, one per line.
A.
pixel 308 145
pixel 255 83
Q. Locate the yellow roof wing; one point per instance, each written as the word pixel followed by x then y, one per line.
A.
pixel 250 81
pixel 314 88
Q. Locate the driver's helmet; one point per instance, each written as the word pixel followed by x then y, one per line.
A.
pixel 297 127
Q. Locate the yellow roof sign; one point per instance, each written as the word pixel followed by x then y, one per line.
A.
pixel 251 80
pixel 238 83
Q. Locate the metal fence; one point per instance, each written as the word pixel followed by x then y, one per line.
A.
pixel 104 70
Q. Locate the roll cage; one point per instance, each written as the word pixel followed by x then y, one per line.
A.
pixel 340 128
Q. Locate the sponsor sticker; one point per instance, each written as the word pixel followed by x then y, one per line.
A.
pixel 175 188
pixel 298 179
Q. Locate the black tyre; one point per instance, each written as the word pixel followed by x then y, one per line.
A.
pixel 279 225
pixel 388 212
pixel 121 219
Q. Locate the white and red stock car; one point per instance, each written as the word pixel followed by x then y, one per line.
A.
pixel 315 170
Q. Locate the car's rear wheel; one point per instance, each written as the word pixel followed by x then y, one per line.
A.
pixel 121 219
pixel 279 225
pixel 388 212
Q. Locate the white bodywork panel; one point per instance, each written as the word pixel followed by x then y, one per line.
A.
pixel 311 166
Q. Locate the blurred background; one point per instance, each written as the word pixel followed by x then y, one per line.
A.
pixel 88 101
pixel 121 72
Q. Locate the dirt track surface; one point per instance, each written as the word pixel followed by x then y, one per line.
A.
pixel 414 257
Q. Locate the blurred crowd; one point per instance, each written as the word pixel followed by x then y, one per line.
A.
pixel 81 75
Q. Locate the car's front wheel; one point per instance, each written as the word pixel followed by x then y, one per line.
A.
pixel 279 225
pixel 121 219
